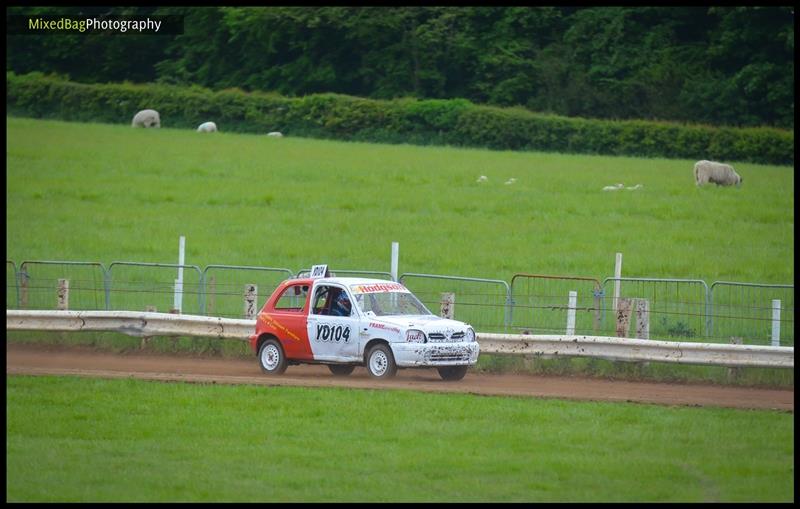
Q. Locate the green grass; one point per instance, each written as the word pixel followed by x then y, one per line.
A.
pixel 92 192
pixel 98 192
pixel 92 440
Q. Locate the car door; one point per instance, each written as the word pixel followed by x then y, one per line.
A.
pixel 287 319
pixel 332 336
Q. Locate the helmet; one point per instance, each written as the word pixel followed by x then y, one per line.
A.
pixel 343 303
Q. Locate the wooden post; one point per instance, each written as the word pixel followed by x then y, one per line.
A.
pixel 733 373
pixel 642 318
pixel 623 317
pixel 250 299
pixel 63 295
pixel 572 304
pixel 597 304
pixel 448 305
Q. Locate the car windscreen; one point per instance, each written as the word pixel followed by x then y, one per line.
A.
pixel 388 299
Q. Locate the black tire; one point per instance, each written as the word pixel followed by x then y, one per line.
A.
pixel 380 362
pixel 341 369
pixel 452 373
pixel 271 357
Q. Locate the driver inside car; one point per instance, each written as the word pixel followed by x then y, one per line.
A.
pixel 341 305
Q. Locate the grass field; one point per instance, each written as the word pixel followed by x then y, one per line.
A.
pixel 91 440
pixel 92 192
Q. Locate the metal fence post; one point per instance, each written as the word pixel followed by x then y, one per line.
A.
pixel 571 305
pixel 776 322
pixel 16 280
pixel 509 311
pixel 107 287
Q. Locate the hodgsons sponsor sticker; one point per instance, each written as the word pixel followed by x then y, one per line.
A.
pixel 379 288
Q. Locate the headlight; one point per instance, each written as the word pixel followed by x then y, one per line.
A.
pixel 415 336
pixel 470 334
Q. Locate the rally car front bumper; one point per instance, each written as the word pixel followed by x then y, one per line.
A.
pixel 407 355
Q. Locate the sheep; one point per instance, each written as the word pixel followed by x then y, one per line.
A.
pixel 614 187
pixel 634 188
pixel 716 173
pixel 207 127
pixel 146 118
pixel 275 134
pixel 510 181
pixel 482 178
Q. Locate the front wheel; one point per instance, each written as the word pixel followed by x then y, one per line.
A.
pixel 452 373
pixel 380 362
pixel 341 369
pixel 271 357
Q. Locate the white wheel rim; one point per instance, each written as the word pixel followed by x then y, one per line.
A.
pixel 378 363
pixel 270 357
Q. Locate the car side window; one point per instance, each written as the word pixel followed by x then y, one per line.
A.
pixel 320 302
pixel 331 300
pixel 292 299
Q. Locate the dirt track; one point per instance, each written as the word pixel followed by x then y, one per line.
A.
pixel 51 360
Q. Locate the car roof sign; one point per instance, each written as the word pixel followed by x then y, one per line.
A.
pixel 318 271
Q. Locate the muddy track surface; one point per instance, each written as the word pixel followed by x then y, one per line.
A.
pixel 77 361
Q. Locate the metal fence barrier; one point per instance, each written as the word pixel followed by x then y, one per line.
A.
pixel 352 273
pixel 746 310
pixel 39 284
pixel 541 304
pixel 144 286
pixel 678 309
pixel 224 287
pixel 12 285
pixel 483 303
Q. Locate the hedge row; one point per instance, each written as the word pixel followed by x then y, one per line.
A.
pixel 454 122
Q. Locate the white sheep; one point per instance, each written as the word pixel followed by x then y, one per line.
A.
pixel 207 127
pixel 614 187
pixel 275 134
pixel 482 178
pixel 716 173
pixel 146 118
pixel 510 181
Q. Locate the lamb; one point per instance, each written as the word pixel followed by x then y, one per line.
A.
pixel 716 173
pixel 146 118
pixel 275 134
pixel 207 127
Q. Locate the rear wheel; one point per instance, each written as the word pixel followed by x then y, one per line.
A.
pixel 380 362
pixel 271 357
pixel 452 372
pixel 341 369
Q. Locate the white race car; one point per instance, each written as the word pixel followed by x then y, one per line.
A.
pixel 349 322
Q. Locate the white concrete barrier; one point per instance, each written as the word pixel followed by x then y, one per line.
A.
pixel 642 350
pixel 132 323
pixel 145 324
